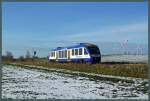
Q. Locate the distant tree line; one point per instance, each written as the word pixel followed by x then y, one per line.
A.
pixel 9 56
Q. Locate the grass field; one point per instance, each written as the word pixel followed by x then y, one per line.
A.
pixel 138 70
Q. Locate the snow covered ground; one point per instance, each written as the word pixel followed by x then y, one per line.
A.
pixel 23 83
pixel 125 58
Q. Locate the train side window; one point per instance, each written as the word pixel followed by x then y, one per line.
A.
pixel 72 51
pixel 65 53
pixel 76 51
pixel 62 54
pixel 59 54
pixel 80 51
pixel 85 52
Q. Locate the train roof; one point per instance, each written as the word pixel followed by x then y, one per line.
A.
pixel 74 46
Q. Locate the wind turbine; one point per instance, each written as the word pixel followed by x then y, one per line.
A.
pixel 141 49
pixel 124 46
pixel 137 49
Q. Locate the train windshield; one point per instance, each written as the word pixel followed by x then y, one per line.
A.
pixel 93 50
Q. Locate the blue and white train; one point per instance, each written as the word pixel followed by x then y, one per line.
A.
pixel 83 53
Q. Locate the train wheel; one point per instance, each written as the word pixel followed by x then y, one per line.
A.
pixel 82 61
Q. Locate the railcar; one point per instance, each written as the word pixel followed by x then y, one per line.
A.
pixel 83 53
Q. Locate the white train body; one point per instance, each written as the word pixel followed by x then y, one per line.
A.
pixel 83 52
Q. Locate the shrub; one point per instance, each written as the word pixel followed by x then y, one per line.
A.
pixel 21 58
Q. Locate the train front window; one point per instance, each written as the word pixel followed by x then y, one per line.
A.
pixel 93 50
pixel 85 52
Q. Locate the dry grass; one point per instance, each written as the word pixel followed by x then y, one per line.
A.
pixel 127 70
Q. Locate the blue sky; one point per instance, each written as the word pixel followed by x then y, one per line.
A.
pixel 42 26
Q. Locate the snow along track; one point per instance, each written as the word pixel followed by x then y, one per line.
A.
pixel 25 83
